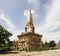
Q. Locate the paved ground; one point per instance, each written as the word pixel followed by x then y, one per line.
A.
pixel 40 53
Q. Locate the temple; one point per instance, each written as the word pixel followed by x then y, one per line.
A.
pixel 29 39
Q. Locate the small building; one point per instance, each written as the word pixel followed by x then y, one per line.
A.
pixel 58 45
pixel 29 39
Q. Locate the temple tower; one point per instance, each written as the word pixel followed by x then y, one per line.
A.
pixel 29 24
pixel 29 39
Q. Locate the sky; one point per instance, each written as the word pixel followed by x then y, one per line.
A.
pixel 45 14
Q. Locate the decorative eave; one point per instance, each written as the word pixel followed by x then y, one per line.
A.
pixel 29 34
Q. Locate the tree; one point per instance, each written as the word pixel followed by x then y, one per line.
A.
pixel 4 38
pixel 52 44
pixel 46 44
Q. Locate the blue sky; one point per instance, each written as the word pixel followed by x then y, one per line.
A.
pixel 45 13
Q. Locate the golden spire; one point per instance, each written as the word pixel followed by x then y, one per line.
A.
pixel 29 19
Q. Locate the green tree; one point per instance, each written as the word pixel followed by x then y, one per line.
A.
pixel 52 44
pixel 4 38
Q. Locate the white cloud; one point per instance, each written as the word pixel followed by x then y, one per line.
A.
pixel 27 11
pixel 15 33
pixel 33 3
pixel 35 15
pixel 10 25
pixel 51 36
pixel 36 6
pixel 4 18
pixel 52 22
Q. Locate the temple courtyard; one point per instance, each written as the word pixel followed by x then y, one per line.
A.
pixel 35 53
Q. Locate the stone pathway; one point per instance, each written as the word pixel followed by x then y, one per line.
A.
pixel 37 53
